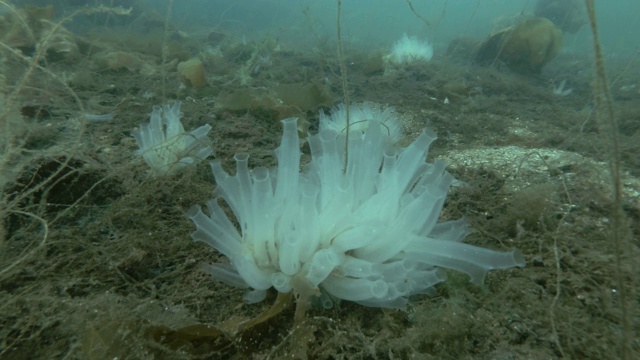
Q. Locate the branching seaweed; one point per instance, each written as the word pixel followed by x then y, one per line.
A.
pixel 11 145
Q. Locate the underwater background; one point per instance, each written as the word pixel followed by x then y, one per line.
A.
pixel 96 258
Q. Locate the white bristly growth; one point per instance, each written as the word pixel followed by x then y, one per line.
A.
pixel 409 49
pixel 370 235
pixel 164 144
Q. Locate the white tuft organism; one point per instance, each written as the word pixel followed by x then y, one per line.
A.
pixel 359 119
pixel 369 234
pixel 164 144
pixel 409 49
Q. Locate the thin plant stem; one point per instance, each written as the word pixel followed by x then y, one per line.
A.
pixel 345 88
pixel 608 125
